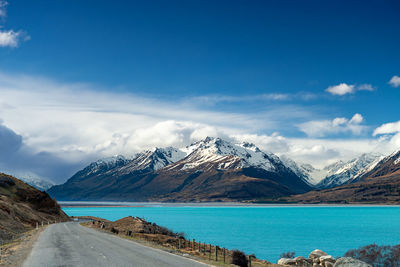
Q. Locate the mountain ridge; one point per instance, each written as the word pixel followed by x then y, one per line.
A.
pixel 213 169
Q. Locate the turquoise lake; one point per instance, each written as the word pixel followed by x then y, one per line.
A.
pixel 267 231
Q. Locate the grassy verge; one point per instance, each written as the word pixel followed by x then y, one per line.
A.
pixel 206 253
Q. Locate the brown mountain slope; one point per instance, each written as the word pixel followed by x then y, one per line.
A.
pixel 373 190
pixel 387 166
pixel 22 205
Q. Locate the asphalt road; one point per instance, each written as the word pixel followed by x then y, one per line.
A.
pixel 70 244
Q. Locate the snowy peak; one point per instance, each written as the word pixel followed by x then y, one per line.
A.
pixel 342 172
pixel 229 155
pixel 383 166
pixel 105 164
pixel 36 182
pixel 153 160
pixel 305 171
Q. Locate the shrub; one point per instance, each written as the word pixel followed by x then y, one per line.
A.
pixel 239 258
pixel 289 254
pixel 378 256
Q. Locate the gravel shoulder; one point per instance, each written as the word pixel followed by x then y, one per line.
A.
pixel 14 254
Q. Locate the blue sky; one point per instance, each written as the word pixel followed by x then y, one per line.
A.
pixel 308 79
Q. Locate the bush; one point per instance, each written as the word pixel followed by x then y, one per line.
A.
pixel 378 256
pixel 239 258
pixel 289 254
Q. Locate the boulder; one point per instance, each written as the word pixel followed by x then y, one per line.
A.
pixel 316 254
pixel 350 262
pixel 327 258
pixel 286 261
pixel 298 261
pixel 329 264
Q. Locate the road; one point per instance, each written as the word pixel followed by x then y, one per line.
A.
pixel 70 244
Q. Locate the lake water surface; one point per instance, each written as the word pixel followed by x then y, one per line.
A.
pixel 267 231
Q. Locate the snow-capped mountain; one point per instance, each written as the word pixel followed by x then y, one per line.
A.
pixel 103 165
pixel 208 170
pixel 37 182
pixel 307 172
pixel 32 179
pixel 228 155
pixel 343 172
pixel 385 166
pixel 153 160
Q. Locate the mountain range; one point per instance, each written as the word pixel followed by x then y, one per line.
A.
pixel 378 183
pixel 212 169
pixel 209 170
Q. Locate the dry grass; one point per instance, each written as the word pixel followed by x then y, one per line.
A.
pixel 149 234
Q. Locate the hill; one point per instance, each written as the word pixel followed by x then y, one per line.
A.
pixel 22 206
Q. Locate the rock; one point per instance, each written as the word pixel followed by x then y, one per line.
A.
pixel 317 254
pixel 287 261
pixel 327 258
pixel 350 262
pixel 316 265
pixel 298 261
pixel 329 264
pixel 303 262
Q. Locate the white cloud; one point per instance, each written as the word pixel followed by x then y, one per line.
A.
pixel 10 38
pixel 3 11
pixel 356 119
pixel 365 87
pixel 341 89
pixel 321 128
pixel 388 128
pixel 75 124
pixel 344 88
pixel 395 81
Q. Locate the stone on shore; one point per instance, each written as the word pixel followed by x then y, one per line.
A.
pixel 298 261
pixel 350 262
pixel 316 254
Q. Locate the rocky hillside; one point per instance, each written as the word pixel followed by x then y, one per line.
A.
pixel 209 170
pixel 22 206
pixel 387 166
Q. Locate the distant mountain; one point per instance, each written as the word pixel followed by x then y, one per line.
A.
pixel 377 183
pixel 307 172
pixel 37 182
pixel 386 166
pixel 341 172
pixel 209 170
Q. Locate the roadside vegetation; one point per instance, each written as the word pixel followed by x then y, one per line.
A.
pixel 377 256
pixel 151 234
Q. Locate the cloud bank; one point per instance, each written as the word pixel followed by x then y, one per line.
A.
pixel 321 128
pixel 51 129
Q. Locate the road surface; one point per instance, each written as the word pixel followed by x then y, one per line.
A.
pixel 70 244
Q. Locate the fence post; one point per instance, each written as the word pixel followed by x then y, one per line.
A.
pixel 224 254
pixel 37 225
pixel 216 253
pixel 194 244
pixel 210 253
pixel 199 247
pixel 249 260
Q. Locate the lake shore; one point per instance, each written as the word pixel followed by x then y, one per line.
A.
pixel 111 204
